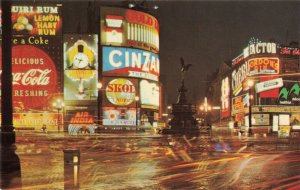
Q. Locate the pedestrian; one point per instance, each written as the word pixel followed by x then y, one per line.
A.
pixel 44 128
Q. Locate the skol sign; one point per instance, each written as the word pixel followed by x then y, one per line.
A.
pixel 120 92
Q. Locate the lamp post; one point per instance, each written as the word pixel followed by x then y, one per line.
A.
pixel 205 107
pixel 99 86
pixel 136 112
pixel 58 104
pixel 250 84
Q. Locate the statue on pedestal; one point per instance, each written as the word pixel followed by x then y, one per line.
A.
pixel 183 120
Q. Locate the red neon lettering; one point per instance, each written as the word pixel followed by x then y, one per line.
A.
pixel 120 88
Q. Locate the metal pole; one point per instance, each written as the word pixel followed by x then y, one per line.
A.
pixel 220 114
pixel 98 106
pixel 57 119
pixel 136 115
pixel 8 137
pixel 250 113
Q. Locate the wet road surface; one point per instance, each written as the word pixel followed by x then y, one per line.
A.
pixel 143 161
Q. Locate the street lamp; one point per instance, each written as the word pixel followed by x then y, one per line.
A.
pixel 205 107
pixel 99 86
pixel 136 112
pixel 169 107
pixel 250 84
pixel 58 104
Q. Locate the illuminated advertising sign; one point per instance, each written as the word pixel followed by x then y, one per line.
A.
pixel 0 21
pixel 120 92
pixel 34 78
pixel 264 65
pixel 130 62
pixel 268 85
pixel 225 98
pixel 36 20
pixel 35 121
pixel 81 117
pixel 238 59
pixel 80 67
pixel 260 48
pixel 239 104
pixel 290 51
pixel 289 94
pixel 119 116
pixel 260 119
pixel 129 28
pixel 149 92
pixel 238 76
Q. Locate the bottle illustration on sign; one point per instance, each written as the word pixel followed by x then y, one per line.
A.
pixel 81 89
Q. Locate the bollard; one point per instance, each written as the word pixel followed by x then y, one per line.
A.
pixel 71 168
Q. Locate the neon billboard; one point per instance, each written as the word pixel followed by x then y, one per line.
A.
pixel 119 116
pixel 80 67
pixel 130 63
pixel 120 92
pixel 263 65
pixel 260 48
pixel 149 92
pixel 129 28
pixel 240 104
pixel 34 78
pixel 225 98
pixel 37 20
pixel 35 121
pixel 238 76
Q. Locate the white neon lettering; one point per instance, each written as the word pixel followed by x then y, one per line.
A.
pixel 111 58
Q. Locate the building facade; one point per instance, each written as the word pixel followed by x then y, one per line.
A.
pixel 110 77
pixel 263 83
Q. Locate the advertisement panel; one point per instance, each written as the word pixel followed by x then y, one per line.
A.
pixel 35 121
pixel 238 76
pixel 289 94
pixel 129 28
pixel 268 85
pixel 225 98
pixel 120 92
pixel 238 59
pixel 149 92
pixel 130 63
pixel 119 116
pixel 80 67
pixel 263 65
pixel 80 117
pixel 260 119
pixel 36 20
pixel 0 20
pixel 274 81
pixel 35 73
pixel 240 103
pixel 260 48
pixel 289 51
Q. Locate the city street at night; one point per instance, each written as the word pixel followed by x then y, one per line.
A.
pixel 149 95
pixel 152 161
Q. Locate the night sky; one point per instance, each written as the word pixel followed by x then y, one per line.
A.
pixel 206 34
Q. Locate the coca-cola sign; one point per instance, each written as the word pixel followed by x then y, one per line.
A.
pixel 34 78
